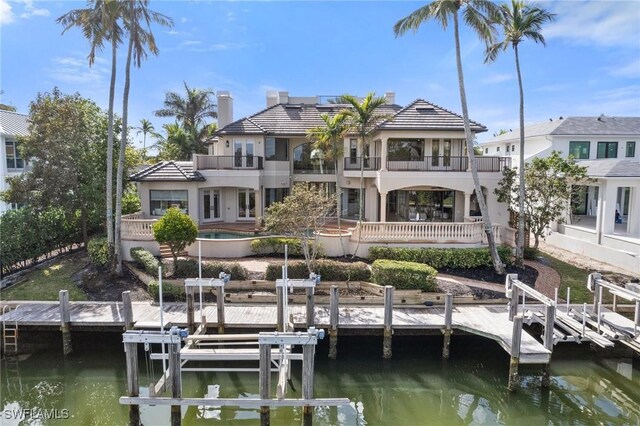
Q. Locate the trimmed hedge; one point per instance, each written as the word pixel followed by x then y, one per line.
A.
pixel 169 291
pixel 146 260
pixel 404 275
pixel 98 250
pixel 275 245
pixel 329 270
pixel 188 268
pixel 441 257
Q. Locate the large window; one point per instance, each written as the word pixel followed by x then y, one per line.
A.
pixel 420 206
pixel 579 150
pixel 631 149
pixel 14 159
pixel 276 149
pixel 406 149
pixel 161 200
pixel 607 149
pixel 210 204
pixel 350 203
pixel 273 195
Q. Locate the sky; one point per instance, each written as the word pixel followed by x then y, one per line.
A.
pixel 590 65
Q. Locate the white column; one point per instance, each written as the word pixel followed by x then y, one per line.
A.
pixel 383 154
pixel 383 207
pixel 258 198
pixel 467 205
pixel 609 208
pixel 633 223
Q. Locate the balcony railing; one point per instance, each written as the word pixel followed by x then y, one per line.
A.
pixel 229 162
pixel 134 227
pixel 423 232
pixel 315 168
pixel 370 163
pixel 448 164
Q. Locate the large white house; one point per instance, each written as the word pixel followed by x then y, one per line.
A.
pixel 12 125
pixel 415 171
pixel 605 223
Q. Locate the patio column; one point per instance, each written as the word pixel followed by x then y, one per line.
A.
pixel 633 224
pixel 467 205
pixel 383 154
pixel 609 208
pixel 383 207
pixel 258 200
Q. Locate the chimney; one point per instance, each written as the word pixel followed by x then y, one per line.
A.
pixel 272 98
pixel 283 97
pixel 225 108
pixel 390 97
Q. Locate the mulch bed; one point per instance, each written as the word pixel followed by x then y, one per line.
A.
pixel 98 284
pixel 527 275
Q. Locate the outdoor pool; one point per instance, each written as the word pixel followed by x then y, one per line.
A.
pixel 225 235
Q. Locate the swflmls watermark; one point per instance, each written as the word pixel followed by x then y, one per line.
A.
pixel 35 414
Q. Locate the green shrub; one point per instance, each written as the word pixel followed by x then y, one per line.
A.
pixel 329 270
pixel 188 268
pixel 169 291
pixel 275 245
pixel 98 250
pixel 146 260
pixel 440 258
pixel 531 253
pixel 404 275
pixel 176 229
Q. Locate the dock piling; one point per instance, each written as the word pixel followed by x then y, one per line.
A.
pixel 333 322
pixel 176 382
pixel 310 307
pixel 65 322
pixel 515 353
pixel 280 295
pixel 220 309
pixel 388 320
pixel 127 310
pixel 191 310
pixel 265 382
pixel 131 352
pixel 448 319
pixel 308 356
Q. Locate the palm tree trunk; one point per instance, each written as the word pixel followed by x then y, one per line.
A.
pixel 112 89
pixel 123 145
pixel 338 201
pixel 497 263
pixel 361 194
pixel 521 189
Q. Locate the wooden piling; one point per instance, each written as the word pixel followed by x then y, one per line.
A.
pixel 515 352
pixel 333 322
pixel 220 309
pixel 513 304
pixel 549 320
pixel 280 307
pixel 176 382
pixel 388 320
pixel 133 389
pixel 311 320
pixel 448 320
pixel 65 322
pixel 265 382
pixel 191 310
pixel 308 358
pixel 127 310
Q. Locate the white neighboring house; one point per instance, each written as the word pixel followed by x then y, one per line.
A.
pixel 12 125
pixel 605 224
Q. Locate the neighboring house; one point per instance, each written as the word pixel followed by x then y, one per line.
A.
pixel 605 221
pixel 12 125
pixel 415 170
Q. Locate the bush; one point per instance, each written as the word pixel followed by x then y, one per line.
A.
pixel 146 260
pixel 329 270
pixel 275 245
pixel 188 268
pixel 440 258
pixel 175 229
pixel 169 291
pixel 531 253
pixel 404 275
pixel 98 250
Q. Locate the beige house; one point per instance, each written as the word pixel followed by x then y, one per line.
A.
pixel 415 172
pixel 12 126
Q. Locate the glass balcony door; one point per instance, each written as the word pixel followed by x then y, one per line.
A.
pixel 210 205
pixel 243 151
pixel 246 204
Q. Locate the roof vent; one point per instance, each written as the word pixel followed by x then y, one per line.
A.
pixel 426 110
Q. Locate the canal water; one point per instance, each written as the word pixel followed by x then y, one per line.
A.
pixel 414 388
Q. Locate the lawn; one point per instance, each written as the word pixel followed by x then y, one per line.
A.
pixel 45 283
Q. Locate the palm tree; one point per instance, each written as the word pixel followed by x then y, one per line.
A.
pixel 518 22
pixel 137 20
pixel 474 13
pixel 192 110
pixel 363 118
pixel 328 139
pixel 100 23
pixel 144 128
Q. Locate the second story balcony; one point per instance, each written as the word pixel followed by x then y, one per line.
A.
pixel 314 167
pixel 448 164
pixel 228 162
pixel 354 163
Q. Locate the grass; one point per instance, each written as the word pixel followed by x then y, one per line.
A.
pixel 46 283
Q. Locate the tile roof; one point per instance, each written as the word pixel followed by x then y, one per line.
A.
pixel 296 119
pixel 168 171
pixel 612 167
pixel 577 126
pixel 13 123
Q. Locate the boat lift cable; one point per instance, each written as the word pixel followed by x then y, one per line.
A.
pixel 164 359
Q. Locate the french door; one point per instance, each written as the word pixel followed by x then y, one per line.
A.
pixel 210 205
pixel 243 151
pixel 246 203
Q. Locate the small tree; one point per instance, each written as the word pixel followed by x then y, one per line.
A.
pixel 175 229
pixel 301 215
pixel 548 183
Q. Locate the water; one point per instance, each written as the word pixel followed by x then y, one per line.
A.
pixel 223 235
pixel 414 388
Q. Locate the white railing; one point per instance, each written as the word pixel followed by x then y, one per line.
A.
pixel 135 227
pixel 431 232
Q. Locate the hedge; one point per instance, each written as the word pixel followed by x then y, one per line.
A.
pixel 404 275
pixel 169 291
pixel 440 258
pixel 188 268
pixel 275 245
pixel 98 250
pixel 146 260
pixel 329 270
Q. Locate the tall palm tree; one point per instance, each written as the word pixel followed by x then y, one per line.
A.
pixel 145 127
pixel 328 139
pixel 100 23
pixel 191 110
pixel 362 118
pixel 474 13
pixel 518 21
pixel 137 20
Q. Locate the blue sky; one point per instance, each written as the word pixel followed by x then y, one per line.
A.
pixel 590 66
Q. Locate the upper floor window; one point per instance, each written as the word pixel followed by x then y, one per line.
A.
pixel 406 149
pixel 486 150
pixel 353 151
pixel 607 149
pixel 580 150
pixel 631 149
pixel 513 148
pixel 276 149
pixel 507 148
pixel 497 149
pixel 14 159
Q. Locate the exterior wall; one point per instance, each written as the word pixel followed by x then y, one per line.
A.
pixel 4 171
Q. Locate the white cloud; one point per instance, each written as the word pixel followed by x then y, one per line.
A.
pixel 76 70
pixel 497 78
pixel 552 88
pixel 6 14
pixel 631 69
pixel 30 10
pixel 602 23
pixel 190 43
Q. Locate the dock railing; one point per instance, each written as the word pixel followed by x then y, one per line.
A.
pixel 596 285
